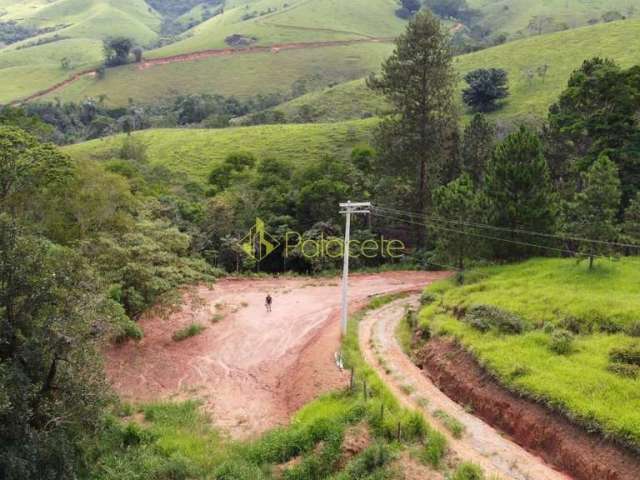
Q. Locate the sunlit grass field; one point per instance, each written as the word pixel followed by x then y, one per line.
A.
pixel 195 151
pixel 546 293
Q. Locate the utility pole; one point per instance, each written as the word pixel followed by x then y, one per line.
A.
pixel 348 209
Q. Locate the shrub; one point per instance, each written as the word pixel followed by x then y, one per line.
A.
pixel 427 298
pixel 633 329
pixel 468 471
pixel 561 342
pixel 625 370
pixel 485 317
pixel 189 331
pixel 373 458
pixel 629 355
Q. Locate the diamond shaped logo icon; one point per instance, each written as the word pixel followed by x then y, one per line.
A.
pixel 258 244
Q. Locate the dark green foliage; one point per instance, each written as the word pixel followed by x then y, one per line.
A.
pixel 592 212
pixel 624 370
pixel 518 189
pixel 561 342
pixel 631 223
pixel 596 114
pixel 414 143
pixel 478 142
pixel 486 317
pixel 227 172
pixel 117 51
pixel 427 298
pixel 455 206
pixel 51 316
pixel 486 88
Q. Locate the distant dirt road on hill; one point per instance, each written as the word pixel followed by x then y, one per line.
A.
pixel 251 369
pixel 219 52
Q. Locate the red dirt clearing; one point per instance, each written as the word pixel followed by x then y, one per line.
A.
pixel 251 369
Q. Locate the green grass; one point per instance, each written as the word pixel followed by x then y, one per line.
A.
pixel 194 152
pixel 85 23
pixel 243 75
pixel 188 332
pixel 548 292
pixel 563 52
pixel 513 16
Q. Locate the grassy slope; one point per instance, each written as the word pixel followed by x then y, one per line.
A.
pixel 300 21
pixel 242 75
pixel 85 22
pixel 195 152
pixel 548 291
pixel 511 16
pixel 563 51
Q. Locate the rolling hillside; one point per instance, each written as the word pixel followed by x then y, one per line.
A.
pixel 562 51
pixel 73 29
pixel 194 152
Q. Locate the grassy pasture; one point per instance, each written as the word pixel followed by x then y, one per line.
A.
pixel 548 292
pixel 194 152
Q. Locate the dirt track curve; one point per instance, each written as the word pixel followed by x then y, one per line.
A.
pixel 219 52
pixel 480 443
pixel 251 369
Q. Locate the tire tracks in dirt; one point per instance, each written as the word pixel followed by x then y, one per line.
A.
pixel 480 443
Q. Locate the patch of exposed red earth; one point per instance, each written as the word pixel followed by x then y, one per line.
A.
pixel 251 369
pixel 585 456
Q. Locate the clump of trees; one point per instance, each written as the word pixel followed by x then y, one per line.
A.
pixel 118 51
pixel 408 8
pixel 486 88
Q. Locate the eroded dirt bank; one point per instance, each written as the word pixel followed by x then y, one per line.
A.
pixel 251 369
pixel 571 449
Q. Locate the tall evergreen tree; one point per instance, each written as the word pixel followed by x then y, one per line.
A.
pixel 519 193
pixel 477 145
pixel 592 213
pixel 455 206
pixel 418 80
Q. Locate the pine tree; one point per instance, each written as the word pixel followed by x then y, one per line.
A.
pixel 477 145
pixel 456 205
pixel 631 225
pixel 593 210
pixel 519 193
pixel 418 80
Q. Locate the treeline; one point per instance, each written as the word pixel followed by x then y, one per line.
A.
pixel 570 188
pixel 76 122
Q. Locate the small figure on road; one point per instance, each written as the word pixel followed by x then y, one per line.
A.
pixel 268 301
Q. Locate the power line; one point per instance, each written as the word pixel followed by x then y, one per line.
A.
pixel 508 230
pixel 487 237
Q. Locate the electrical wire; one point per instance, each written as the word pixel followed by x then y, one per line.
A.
pixel 508 230
pixel 487 237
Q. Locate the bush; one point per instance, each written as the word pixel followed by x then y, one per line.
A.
pixel 629 355
pixel 625 370
pixel 486 317
pixel 427 298
pixel 189 331
pixel 633 329
pixel 468 471
pixel 561 342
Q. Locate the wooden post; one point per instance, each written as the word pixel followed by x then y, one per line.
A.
pixel 381 413
pixel 399 431
pixel 351 380
pixel 364 389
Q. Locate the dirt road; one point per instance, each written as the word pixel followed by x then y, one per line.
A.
pixel 480 443
pixel 250 368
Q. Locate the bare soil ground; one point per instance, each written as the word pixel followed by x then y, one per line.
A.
pixel 251 369
pixel 480 443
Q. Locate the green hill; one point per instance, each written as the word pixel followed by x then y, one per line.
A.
pixel 562 51
pixel 194 151
pixel 513 16
pixel 601 308
pixel 72 29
